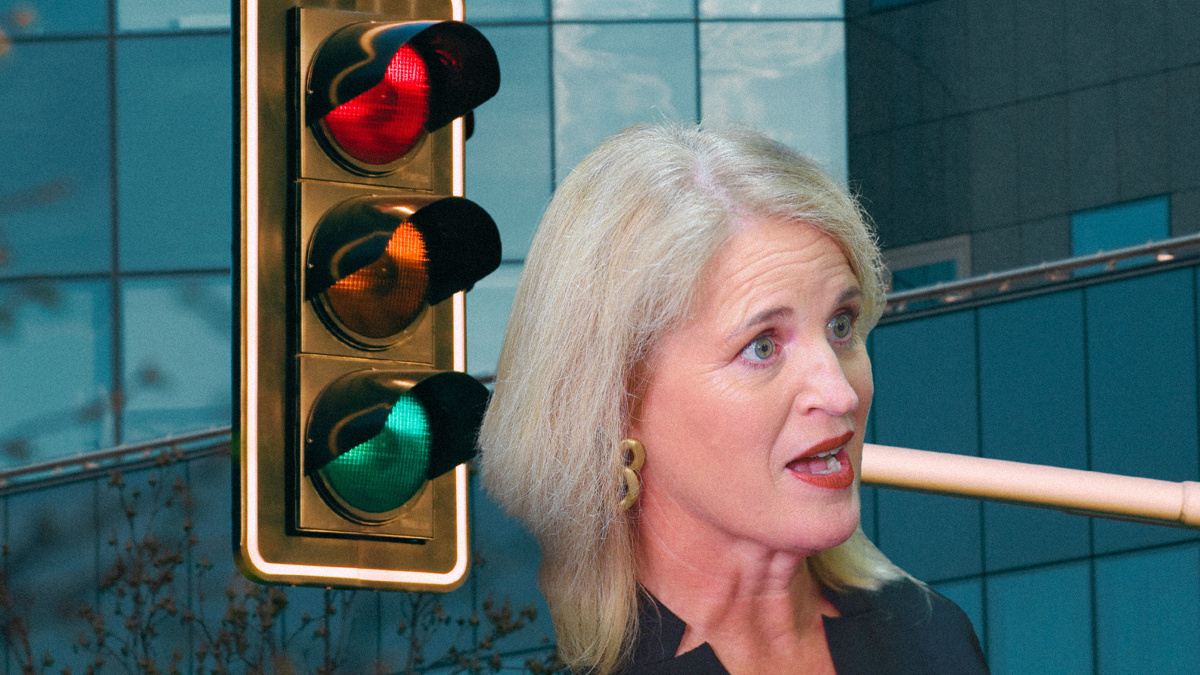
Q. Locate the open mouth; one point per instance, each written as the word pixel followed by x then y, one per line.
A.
pixel 828 467
pixel 821 464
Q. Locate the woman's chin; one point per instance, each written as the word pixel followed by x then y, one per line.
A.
pixel 832 530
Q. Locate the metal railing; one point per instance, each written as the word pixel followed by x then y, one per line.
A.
pixel 121 458
pixel 949 292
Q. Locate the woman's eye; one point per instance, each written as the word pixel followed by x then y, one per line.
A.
pixel 760 350
pixel 841 328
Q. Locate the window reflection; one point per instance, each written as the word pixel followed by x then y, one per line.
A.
pixel 608 77
pixel 54 186
pixel 627 9
pixel 799 9
pixel 54 344
pixel 787 78
pixel 51 17
pixel 174 99
pixel 155 15
pixel 177 355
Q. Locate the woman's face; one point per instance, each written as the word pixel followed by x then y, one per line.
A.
pixel 768 372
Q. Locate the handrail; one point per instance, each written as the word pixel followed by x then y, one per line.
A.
pixel 122 457
pixel 1082 492
pixel 952 291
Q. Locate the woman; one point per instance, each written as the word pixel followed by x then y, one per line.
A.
pixel 679 414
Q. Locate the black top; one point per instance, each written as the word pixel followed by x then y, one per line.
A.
pixel 898 630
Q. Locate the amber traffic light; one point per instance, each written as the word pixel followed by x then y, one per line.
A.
pixel 374 262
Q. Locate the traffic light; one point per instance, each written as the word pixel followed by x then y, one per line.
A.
pixel 356 415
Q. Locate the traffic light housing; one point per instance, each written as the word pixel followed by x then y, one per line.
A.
pixel 356 415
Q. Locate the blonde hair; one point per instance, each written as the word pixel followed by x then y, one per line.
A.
pixel 613 268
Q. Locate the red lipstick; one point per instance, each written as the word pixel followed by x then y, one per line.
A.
pixel 826 464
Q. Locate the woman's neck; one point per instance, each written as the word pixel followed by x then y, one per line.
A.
pixel 760 610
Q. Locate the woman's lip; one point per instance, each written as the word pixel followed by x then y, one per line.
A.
pixel 827 445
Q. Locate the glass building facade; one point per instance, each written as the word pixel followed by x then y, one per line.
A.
pixel 1066 378
pixel 114 224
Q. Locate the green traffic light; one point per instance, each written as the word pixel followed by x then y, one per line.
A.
pixel 387 470
pixel 374 438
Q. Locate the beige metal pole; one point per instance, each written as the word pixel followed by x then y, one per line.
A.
pixel 1097 494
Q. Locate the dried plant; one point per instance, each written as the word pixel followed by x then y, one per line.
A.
pixel 138 593
pixel 143 608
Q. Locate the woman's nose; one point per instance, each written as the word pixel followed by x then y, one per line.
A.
pixel 825 387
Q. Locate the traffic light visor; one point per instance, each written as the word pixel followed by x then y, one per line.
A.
pixel 376 89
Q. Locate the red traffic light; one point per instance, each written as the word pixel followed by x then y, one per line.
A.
pixel 383 123
pixel 376 89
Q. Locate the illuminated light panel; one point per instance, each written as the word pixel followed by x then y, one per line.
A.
pixel 383 473
pixel 380 125
pixel 383 298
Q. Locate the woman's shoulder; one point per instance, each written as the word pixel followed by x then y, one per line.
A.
pixel 899 629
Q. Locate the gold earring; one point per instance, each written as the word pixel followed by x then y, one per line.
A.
pixel 633 486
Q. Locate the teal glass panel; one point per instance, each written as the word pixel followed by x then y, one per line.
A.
pixel 866 497
pixel 508 158
pixel 925 398
pixel 1148 612
pixel 55 347
pixel 1033 409
pixel 54 17
pixel 175 151
pixel 612 76
pixel 155 15
pixel 785 78
pixel 968 595
pixel 482 11
pixel 929 536
pixel 209 485
pixel 626 9
pixel 50 567
pixel 1142 390
pixel 1040 621
pixel 924 275
pixel 793 9
pixel 925 394
pixel 488 306
pixel 1113 227
pixel 55 206
pixel 177 360
pixel 869 496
